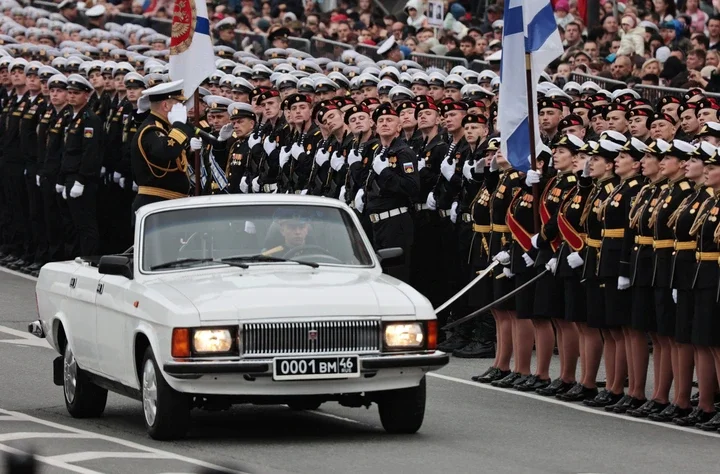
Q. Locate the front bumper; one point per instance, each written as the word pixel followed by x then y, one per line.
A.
pixel 263 367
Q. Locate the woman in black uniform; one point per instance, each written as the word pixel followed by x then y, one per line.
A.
pixel 505 315
pixel 683 272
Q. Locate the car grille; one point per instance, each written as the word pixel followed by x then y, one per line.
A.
pixel 272 339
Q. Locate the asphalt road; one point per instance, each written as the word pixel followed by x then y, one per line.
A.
pixel 468 428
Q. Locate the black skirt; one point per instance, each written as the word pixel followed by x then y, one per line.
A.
pixel 482 293
pixel 575 300
pixel 684 312
pixel 525 299
pixel 617 304
pixel 706 320
pixel 549 297
pixel 595 303
pixel 500 286
pixel 643 308
pixel 665 312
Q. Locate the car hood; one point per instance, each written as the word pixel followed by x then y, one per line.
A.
pixel 265 293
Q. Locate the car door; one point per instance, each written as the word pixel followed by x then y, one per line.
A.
pixel 113 344
pixel 81 314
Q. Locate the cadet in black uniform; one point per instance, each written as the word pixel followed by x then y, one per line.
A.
pixel 683 273
pixel 276 130
pixel 81 162
pixel 158 153
pixel 243 119
pixel 613 262
pixel 359 159
pixel 392 187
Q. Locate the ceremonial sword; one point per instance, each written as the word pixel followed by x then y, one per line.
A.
pixel 480 276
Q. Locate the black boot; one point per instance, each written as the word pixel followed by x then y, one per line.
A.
pixel 476 350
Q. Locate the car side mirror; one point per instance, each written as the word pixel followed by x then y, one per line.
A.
pixel 391 257
pixel 116 265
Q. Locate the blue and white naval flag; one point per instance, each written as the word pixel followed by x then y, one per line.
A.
pixel 529 27
pixel 191 52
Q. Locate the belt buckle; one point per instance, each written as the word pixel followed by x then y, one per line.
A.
pixel 374 218
pixel 467 218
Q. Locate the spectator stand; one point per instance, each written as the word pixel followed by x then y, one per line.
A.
pixel 369 51
pixel 323 47
pixel 301 44
pixel 49 6
pixel 603 82
pixel 441 62
pixel 479 66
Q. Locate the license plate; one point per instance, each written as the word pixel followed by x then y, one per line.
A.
pixel 313 368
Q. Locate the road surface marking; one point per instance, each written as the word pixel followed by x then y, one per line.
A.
pixel 120 441
pixel 18 274
pixel 578 407
pixel 26 339
pixel 39 435
pixel 341 418
pixel 44 460
pixel 84 456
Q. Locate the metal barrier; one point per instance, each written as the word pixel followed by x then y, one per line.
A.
pixel 122 18
pixel 49 6
pixel 655 93
pixel 161 25
pixel 479 66
pixel 252 42
pixel 300 44
pixel 605 83
pixel 441 62
pixel 322 47
pixel 369 51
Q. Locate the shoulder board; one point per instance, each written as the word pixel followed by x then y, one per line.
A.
pixel 571 178
pixel 710 192
pixel 664 186
pixel 204 124
pixel 633 183
pixel 374 147
pixel 316 133
pixel 158 124
pixel 514 175
pixel 609 187
pixel 684 185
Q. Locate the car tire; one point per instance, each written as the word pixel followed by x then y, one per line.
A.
pixel 166 411
pixel 304 405
pixel 402 411
pixel 83 398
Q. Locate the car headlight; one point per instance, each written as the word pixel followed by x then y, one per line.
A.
pixel 404 335
pixel 212 340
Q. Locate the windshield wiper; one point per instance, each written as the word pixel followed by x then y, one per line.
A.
pixel 184 261
pixel 266 258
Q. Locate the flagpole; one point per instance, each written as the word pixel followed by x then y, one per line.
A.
pixel 531 124
pixel 198 178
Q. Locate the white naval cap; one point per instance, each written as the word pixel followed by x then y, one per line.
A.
pixel 164 91
pixel 386 45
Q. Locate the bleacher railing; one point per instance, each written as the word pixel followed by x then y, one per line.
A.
pixel 323 47
pixel 479 66
pixel 441 62
pixel 603 82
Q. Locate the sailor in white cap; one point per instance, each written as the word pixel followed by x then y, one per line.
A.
pixel 243 121
pixel 157 151
pixel 453 85
pixel 389 49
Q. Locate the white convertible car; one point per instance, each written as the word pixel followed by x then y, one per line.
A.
pixel 268 299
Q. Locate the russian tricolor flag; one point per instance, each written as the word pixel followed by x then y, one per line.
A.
pixel 529 27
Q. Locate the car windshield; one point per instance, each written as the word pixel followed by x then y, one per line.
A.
pixel 196 238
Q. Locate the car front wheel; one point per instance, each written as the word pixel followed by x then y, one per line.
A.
pixel 402 411
pixel 167 412
pixel 83 398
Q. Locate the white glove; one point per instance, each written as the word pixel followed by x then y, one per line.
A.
pixel 337 161
pixel 431 203
pixel 121 182
pixel 534 240
pixel 321 157
pixel 59 188
pixel 284 156
pixel 178 113
pixel 24 172
pixel 272 187
pixel 341 197
pixel 453 212
pixel 532 177
pixel 353 157
pixel 116 177
pixel 502 257
pixel 296 150
pixel 253 140
pixel 256 184
pixel 552 265
pixel 64 193
pixel 243 185
pixel 196 144
pixel 575 260
pixel 359 204
pixel 674 295
pixel 77 190
pixel 143 104
pixel 269 145
pixel 37 180
pixel 480 165
pixel 303 192
pixel 623 283
pixel 529 262
pixel 249 227
pixel 447 169
pixel 421 164
pixel 507 272
pixel 134 187
pixel 102 171
pixel 225 132
pixel 379 165
pixel 467 170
